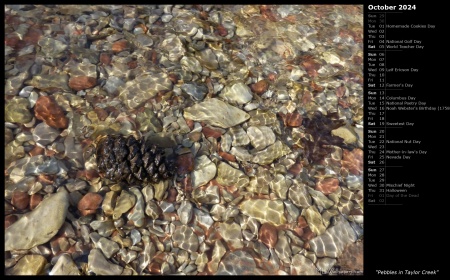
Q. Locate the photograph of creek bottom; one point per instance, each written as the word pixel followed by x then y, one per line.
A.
pixel 183 139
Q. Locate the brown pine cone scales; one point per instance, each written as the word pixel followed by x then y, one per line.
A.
pixel 127 159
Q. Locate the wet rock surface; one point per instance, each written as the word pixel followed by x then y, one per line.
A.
pixel 40 225
pixel 259 106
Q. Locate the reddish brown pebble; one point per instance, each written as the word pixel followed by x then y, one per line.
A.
pixel 82 82
pixel 185 163
pixel 295 169
pixel 105 58
pixel 267 13
pixel 291 18
pixel 33 35
pixel 294 119
pixel 50 153
pixel 344 104
pixel 89 203
pixel 260 87
pixel 154 268
pixel 9 220
pixel 327 185
pixel 119 46
pixel 307 234
pixel 47 110
pixel 203 15
pixel 302 222
pixel 340 91
pixel 36 151
pixel 173 78
pixel 35 200
pixel 227 156
pixel 298 231
pixel 172 197
pixel 307 97
pixel 272 77
pixel 316 88
pixel 311 67
pixel 291 119
pixel 268 235
pixel 190 123
pixel 209 132
pixel 353 161
pixel 221 30
pixel 132 64
pixel 101 113
pixel 20 200
pixel 194 136
pixel 12 40
pixel 46 179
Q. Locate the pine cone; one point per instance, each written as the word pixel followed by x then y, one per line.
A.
pixel 131 160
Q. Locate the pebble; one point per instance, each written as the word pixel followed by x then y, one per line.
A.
pixel 345 133
pixel 279 186
pixel 299 195
pixel 125 201
pixel 228 176
pixel 238 136
pixel 89 203
pixel 208 59
pixel 185 212
pixel 260 87
pixel 271 153
pixel 145 86
pixel 9 220
pixel 98 264
pixel 320 199
pixel 352 257
pixel 35 199
pixel 327 185
pixel 216 113
pixel 262 117
pixel 50 82
pixel 204 171
pixel 184 238
pixel 104 228
pixel 137 213
pixel 237 93
pixel 13 84
pixel 28 265
pixel 109 201
pixel 232 235
pixel 46 109
pixel 238 262
pixel 268 234
pixel 16 110
pixel 314 220
pixel 209 196
pixel 40 225
pixel 65 266
pixel 82 82
pixel 334 240
pixel 353 161
pixel 108 247
pixel 301 265
pixel 152 210
pixel 264 210
pixel 197 92
pixel 324 265
pixel 20 200
pixel 292 119
pixel 261 136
